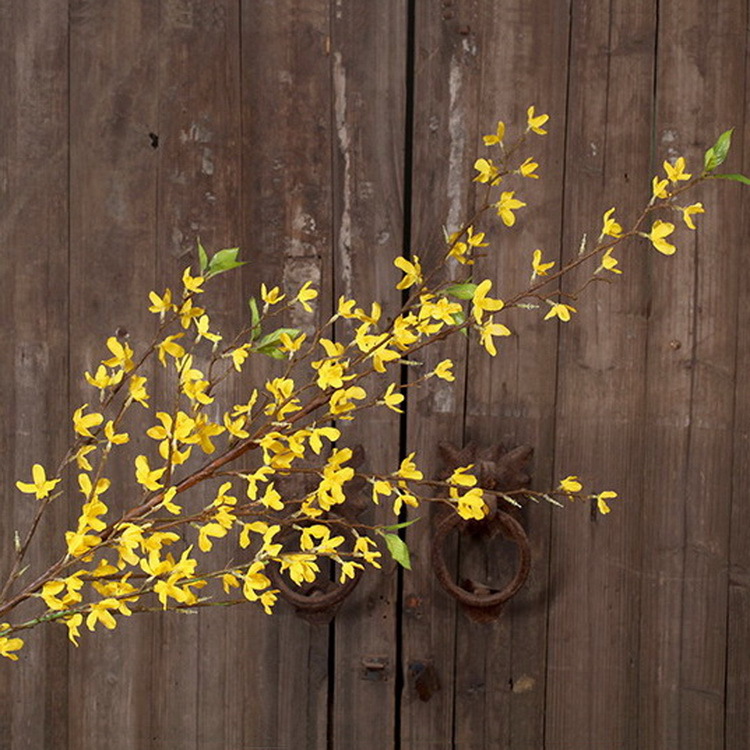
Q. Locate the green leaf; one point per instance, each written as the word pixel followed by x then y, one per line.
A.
pixel 459 319
pixel 736 177
pixel 397 526
pixel 461 291
pixel 709 160
pixel 224 260
pixel 398 549
pixel 202 257
pixel 718 152
pixel 274 337
pixel 254 318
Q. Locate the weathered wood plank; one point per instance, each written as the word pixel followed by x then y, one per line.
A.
pixel 113 100
pixel 737 727
pixel 593 623
pixel 197 140
pixel 446 89
pixel 287 236
pixel 500 667
pixel 368 58
pixel 702 53
pixel 691 347
pixel 33 339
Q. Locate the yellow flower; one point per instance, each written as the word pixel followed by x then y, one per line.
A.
pixel 341 401
pixel 487 331
pixel 391 399
pixel 471 505
pixel 236 426
pixel 167 503
pixel 380 487
pixel 538 267
pixel 658 188
pixel 82 423
pixel 192 284
pixel 460 478
pixel 506 206
pixel 80 457
pixel 306 294
pixel 137 390
pixel 168 346
pixel 677 172
pixel 412 271
pixel 255 580
pixel 271 297
pixel 601 501
pixel 161 304
pixel 408 469
pixel 481 302
pixel 90 491
pixel 202 325
pixel 659 230
pixel 488 172
pixel 496 137
pixel 74 623
pixel 608 262
pixel 528 168
pixel 101 612
pixel 189 313
pixel 288 344
pixel 9 645
pixel 271 498
pixel 460 250
pixel 561 311
pixel 145 476
pixel 571 485
pixel 444 371
pixel 610 228
pixel 40 485
pixel 535 122
pixel 301 566
pixel 102 379
pixel 114 437
pixel 123 355
pixel 688 211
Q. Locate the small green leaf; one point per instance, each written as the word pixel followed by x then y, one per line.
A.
pixel 397 526
pixel 202 257
pixel 274 337
pixel 459 319
pixel 718 152
pixel 461 291
pixel 709 160
pixel 398 549
pixel 736 177
pixel 224 260
pixel 254 318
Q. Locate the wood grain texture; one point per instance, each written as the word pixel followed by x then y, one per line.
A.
pixel 297 130
pixel 287 236
pixel 368 61
pixel 196 140
pixel 593 617
pixel 501 667
pixel 33 338
pixel 113 97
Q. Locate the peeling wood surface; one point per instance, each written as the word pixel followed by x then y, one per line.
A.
pixel 326 137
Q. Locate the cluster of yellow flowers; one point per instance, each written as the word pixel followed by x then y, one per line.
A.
pixel 292 424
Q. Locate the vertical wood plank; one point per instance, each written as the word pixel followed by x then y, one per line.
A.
pixel 593 626
pixel 446 89
pixel 33 339
pixel 113 103
pixel 699 54
pixel 368 43
pixel 500 666
pixel 286 233
pixel 198 142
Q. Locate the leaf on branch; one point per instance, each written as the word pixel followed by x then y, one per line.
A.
pixel 461 291
pixel 736 177
pixel 718 152
pixel 398 549
pixel 397 526
pixel 224 260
